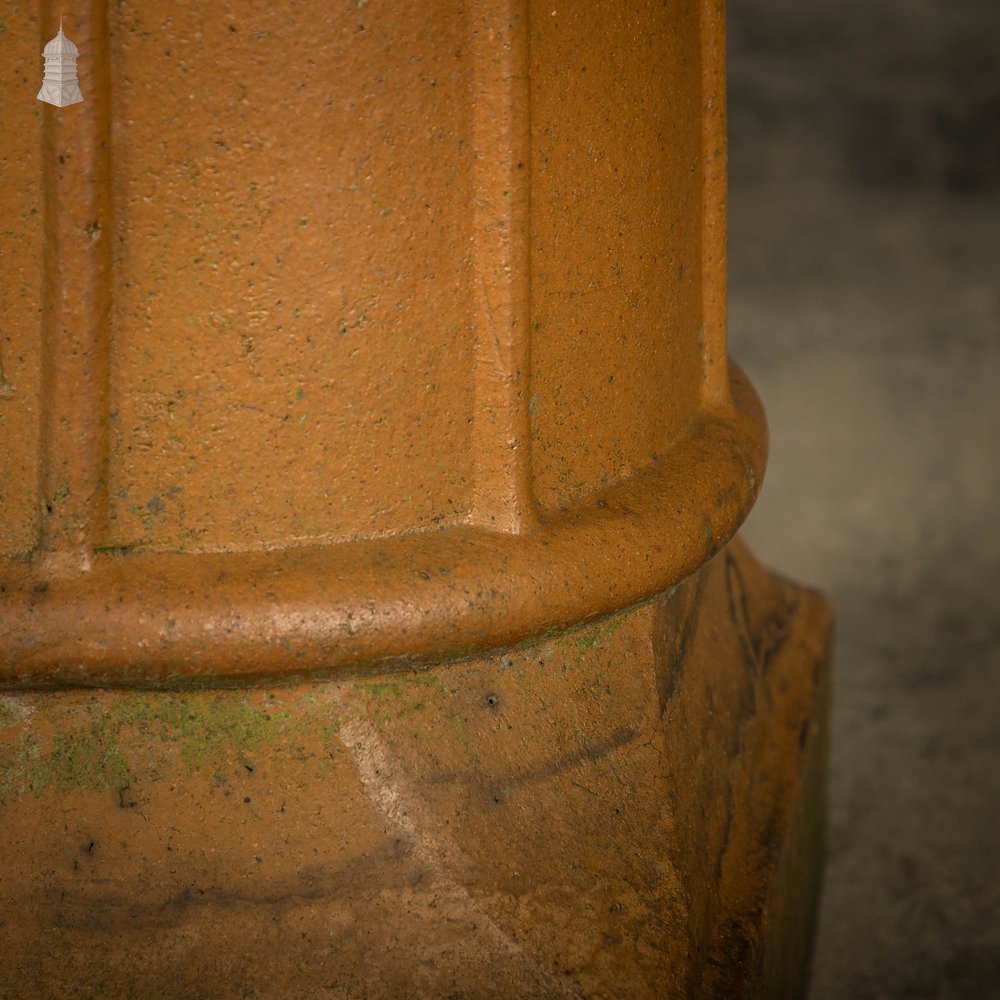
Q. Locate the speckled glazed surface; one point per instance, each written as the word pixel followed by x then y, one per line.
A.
pixel 419 310
pixel 375 461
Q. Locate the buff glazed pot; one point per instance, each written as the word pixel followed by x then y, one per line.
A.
pixel 373 618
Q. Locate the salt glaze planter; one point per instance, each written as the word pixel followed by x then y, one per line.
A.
pixel 371 618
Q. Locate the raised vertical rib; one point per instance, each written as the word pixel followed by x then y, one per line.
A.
pixel 714 270
pixel 76 166
pixel 500 263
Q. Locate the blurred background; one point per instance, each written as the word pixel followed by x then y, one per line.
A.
pixel 865 305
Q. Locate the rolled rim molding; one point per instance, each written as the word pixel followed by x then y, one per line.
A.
pixel 172 620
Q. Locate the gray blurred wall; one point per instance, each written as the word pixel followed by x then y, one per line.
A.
pixel 865 304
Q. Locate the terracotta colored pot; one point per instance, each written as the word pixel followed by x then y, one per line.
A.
pixel 365 366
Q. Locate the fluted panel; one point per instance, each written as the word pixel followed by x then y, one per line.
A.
pixel 294 222
pixel 21 232
pixel 616 353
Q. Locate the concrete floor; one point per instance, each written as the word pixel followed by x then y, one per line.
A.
pixel 865 305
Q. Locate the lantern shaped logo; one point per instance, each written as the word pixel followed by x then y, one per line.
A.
pixel 60 86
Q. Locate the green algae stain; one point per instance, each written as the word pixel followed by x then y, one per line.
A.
pixel 12 712
pixel 107 753
pixel 17 760
pixel 402 697
pixel 202 728
pixel 88 759
pixel 390 690
pixel 83 759
pixel 593 637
